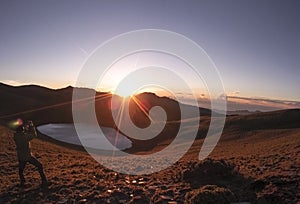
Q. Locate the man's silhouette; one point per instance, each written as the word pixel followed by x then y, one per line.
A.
pixel 22 139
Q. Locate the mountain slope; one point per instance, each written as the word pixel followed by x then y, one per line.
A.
pixel 43 105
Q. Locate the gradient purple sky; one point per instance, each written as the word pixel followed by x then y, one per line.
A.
pixel 254 44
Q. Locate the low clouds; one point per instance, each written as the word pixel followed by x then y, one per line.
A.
pixel 253 104
pixel 262 104
pixel 235 102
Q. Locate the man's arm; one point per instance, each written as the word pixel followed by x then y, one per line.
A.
pixel 34 131
pixel 31 134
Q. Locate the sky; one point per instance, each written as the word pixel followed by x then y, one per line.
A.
pixel 255 45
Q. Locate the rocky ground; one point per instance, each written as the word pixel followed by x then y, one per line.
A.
pixel 261 166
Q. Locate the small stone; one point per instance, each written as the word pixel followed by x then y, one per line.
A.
pixel 164 197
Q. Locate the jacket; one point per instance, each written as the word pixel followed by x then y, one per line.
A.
pixel 22 141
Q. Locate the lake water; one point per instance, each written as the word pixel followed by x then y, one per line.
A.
pixel 67 133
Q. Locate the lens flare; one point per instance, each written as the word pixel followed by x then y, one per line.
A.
pixel 15 123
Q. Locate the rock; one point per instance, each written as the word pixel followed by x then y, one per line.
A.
pixel 165 197
pixel 119 195
pixel 138 192
pixel 208 172
pixel 65 200
pixel 210 194
pixel 82 200
pixel 139 200
pixel 257 185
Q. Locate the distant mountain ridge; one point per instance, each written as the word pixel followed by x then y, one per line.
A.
pixel 281 119
pixel 44 105
pixel 19 99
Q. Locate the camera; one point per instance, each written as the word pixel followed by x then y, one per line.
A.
pixel 29 126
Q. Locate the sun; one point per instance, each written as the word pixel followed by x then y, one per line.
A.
pixel 124 92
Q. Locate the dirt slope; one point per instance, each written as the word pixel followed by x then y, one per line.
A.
pixel 262 166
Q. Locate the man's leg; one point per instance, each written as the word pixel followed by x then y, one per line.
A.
pixel 39 166
pixel 21 170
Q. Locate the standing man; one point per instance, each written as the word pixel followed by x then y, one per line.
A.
pixel 22 137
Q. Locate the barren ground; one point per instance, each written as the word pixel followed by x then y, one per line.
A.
pixel 261 166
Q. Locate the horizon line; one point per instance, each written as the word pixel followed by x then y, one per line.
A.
pixel 234 98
